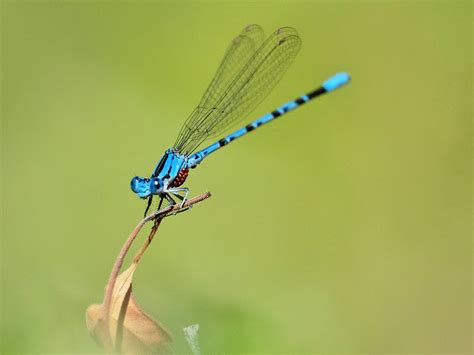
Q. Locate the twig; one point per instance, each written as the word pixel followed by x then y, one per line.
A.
pixel 156 216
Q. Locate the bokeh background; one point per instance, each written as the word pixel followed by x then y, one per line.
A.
pixel 343 227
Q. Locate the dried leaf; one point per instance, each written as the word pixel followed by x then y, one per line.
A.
pixel 95 323
pixel 131 329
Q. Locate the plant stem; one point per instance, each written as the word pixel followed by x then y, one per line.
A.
pixel 157 216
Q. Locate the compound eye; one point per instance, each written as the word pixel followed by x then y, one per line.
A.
pixel 157 184
pixel 134 184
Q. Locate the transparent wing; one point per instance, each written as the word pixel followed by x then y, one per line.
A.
pixel 232 96
pixel 240 50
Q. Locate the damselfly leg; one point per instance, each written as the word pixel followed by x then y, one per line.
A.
pixel 176 192
pixel 150 199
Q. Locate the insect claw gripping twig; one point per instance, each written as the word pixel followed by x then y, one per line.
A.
pixel 176 208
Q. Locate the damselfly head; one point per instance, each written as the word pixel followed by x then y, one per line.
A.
pixel 141 186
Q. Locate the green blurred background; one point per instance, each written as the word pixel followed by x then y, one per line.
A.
pixel 343 227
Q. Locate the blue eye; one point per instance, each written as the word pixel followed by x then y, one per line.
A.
pixel 157 185
pixel 141 186
pixel 135 183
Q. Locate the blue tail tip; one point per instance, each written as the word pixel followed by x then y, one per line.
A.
pixel 336 81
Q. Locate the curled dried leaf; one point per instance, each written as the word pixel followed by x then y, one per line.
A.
pixel 131 329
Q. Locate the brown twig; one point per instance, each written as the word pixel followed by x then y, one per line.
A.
pixel 157 217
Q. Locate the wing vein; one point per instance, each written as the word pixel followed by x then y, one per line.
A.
pixel 242 81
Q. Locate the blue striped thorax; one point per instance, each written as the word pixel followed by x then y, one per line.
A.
pixel 165 173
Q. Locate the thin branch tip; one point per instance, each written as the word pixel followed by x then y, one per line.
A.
pixel 157 217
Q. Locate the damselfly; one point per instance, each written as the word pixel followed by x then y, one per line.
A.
pixel 250 69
